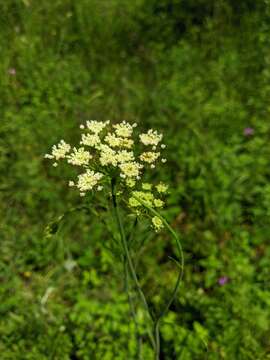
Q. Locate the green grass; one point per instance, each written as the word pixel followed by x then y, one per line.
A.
pixel 197 71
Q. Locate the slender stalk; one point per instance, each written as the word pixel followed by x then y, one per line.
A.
pixel 129 260
pixel 132 309
pixel 128 290
pixel 157 340
pixel 179 278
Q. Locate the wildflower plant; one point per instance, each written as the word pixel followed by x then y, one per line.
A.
pixel 115 159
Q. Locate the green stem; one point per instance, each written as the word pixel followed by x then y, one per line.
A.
pixel 128 290
pixel 129 260
pixel 157 340
pixel 179 278
pixel 132 309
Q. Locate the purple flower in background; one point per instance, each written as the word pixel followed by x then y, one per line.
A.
pixel 223 280
pixel 248 131
pixel 12 71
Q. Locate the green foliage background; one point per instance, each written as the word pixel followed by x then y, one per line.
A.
pixel 198 71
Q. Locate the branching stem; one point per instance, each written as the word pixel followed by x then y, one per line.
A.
pixel 179 277
pixel 129 260
pixel 155 335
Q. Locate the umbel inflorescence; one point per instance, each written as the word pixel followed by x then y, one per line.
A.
pixel 116 151
pixel 115 159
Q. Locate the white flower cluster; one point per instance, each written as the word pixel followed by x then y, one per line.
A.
pixel 59 151
pixel 87 181
pixel 79 157
pixel 151 138
pixel 111 151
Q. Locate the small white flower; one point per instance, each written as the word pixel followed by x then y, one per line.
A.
pixel 59 151
pixel 123 129
pixel 96 126
pixel 115 141
pixel 107 156
pixel 149 156
pixel 90 140
pixel 130 169
pixel 162 146
pixel 126 143
pixel 79 157
pixel 163 161
pixel 125 156
pixel 151 138
pixel 88 180
pixel 112 140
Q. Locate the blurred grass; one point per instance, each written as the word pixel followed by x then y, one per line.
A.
pixel 198 71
